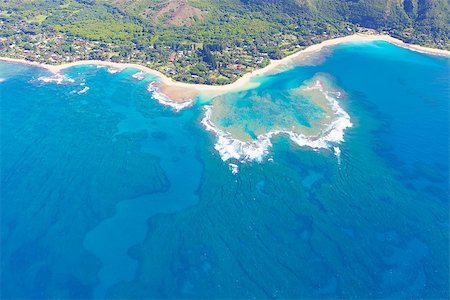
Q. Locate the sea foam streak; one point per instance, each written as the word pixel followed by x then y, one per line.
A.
pixel 139 75
pixel 231 148
pixel 233 168
pixel 56 78
pixel 84 90
pixel 113 70
pixel 164 100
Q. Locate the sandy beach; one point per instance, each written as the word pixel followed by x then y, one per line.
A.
pixel 182 92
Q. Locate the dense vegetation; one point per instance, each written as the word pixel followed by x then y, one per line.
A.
pixel 211 41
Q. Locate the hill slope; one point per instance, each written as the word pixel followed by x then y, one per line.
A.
pixel 205 41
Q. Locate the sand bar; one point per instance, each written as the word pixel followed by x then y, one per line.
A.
pixel 177 90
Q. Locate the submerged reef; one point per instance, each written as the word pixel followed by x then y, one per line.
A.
pixel 245 122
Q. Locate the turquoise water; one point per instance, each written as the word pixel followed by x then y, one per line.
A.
pixel 107 193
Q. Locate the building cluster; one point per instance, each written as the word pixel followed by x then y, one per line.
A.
pixel 189 63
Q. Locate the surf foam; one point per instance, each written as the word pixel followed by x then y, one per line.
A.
pixel 139 75
pixel 233 168
pixel 84 90
pixel 56 78
pixel 113 70
pixel 337 152
pixel 164 100
pixel 231 148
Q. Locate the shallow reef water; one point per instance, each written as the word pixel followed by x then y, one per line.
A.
pixel 246 121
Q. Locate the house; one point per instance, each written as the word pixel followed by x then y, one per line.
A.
pixel 172 57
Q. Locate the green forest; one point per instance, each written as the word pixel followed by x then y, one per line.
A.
pixel 206 41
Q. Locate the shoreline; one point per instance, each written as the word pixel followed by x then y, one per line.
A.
pixel 245 81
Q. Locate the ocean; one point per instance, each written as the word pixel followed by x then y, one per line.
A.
pixel 328 180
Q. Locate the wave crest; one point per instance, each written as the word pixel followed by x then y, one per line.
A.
pixel 231 148
pixel 112 70
pixel 56 78
pixel 165 100
pixel 139 75
pixel 84 90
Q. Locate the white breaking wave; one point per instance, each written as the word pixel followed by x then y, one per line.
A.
pixel 337 152
pixel 231 148
pixel 234 168
pixel 2 80
pixel 139 75
pixel 164 100
pixel 84 90
pixel 57 78
pixel 113 70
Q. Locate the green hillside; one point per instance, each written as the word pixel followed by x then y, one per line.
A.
pixel 207 41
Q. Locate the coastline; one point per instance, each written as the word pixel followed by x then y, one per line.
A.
pixel 244 82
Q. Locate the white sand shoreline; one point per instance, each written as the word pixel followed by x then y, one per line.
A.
pixel 244 81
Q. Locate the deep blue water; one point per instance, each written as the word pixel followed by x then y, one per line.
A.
pixel 107 193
